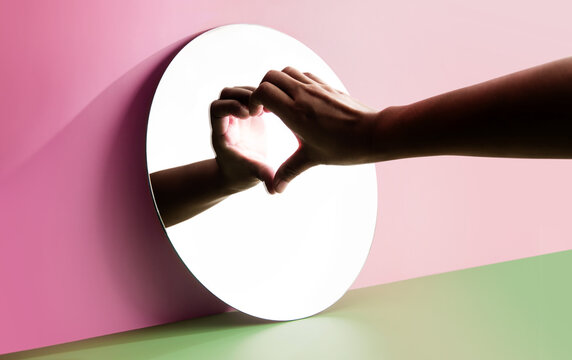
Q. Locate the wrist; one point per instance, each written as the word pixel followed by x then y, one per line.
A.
pixel 231 181
pixel 224 182
pixel 386 140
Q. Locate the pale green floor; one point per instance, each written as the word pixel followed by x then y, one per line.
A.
pixel 512 310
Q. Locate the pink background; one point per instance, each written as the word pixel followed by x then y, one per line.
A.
pixel 81 251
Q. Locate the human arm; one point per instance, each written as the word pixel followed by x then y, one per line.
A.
pixel 239 142
pixel 524 114
pixel 185 191
pixel 527 114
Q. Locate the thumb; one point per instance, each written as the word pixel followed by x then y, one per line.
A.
pixel 296 164
pixel 266 174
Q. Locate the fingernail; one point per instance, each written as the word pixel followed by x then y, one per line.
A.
pixel 280 186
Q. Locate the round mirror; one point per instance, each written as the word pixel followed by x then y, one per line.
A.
pixel 277 257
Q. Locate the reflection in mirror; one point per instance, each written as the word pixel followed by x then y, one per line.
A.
pixel 278 257
pixel 240 143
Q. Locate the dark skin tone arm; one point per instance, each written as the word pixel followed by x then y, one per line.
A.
pixel 185 191
pixel 527 114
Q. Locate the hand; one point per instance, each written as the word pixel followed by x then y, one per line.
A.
pixel 331 126
pixel 239 141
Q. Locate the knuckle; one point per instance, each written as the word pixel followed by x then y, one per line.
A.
pixel 270 75
pixel 288 69
pixel 263 88
pixel 226 91
pixel 214 106
pixel 235 107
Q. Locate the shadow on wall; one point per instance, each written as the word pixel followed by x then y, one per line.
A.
pixel 88 249
pixel 153 277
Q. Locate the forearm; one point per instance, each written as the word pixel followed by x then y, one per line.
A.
pixel 185 191
pixel 525 114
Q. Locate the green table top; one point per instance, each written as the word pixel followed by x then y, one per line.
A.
pixel 519 309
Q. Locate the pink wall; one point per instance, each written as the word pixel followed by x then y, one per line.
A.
pixel 81 251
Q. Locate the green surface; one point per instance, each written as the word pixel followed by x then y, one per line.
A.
pixel 513 310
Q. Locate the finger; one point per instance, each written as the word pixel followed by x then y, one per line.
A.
pixel 251 88
pixel 266 174
pixel 283 81
pixel 272 98
pixel 323 83
pixel 240 94
pixel 294 166
pixel 297 74
pixel 221 109
pixel 315 78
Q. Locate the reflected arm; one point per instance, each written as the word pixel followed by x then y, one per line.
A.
pixel 185 191
pixel 239 141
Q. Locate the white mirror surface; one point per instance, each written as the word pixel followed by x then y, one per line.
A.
pixel 279 257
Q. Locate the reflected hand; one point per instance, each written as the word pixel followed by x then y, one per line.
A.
pixel 239 141
pixel 331 126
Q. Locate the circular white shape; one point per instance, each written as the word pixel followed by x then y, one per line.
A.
pixel 279 257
